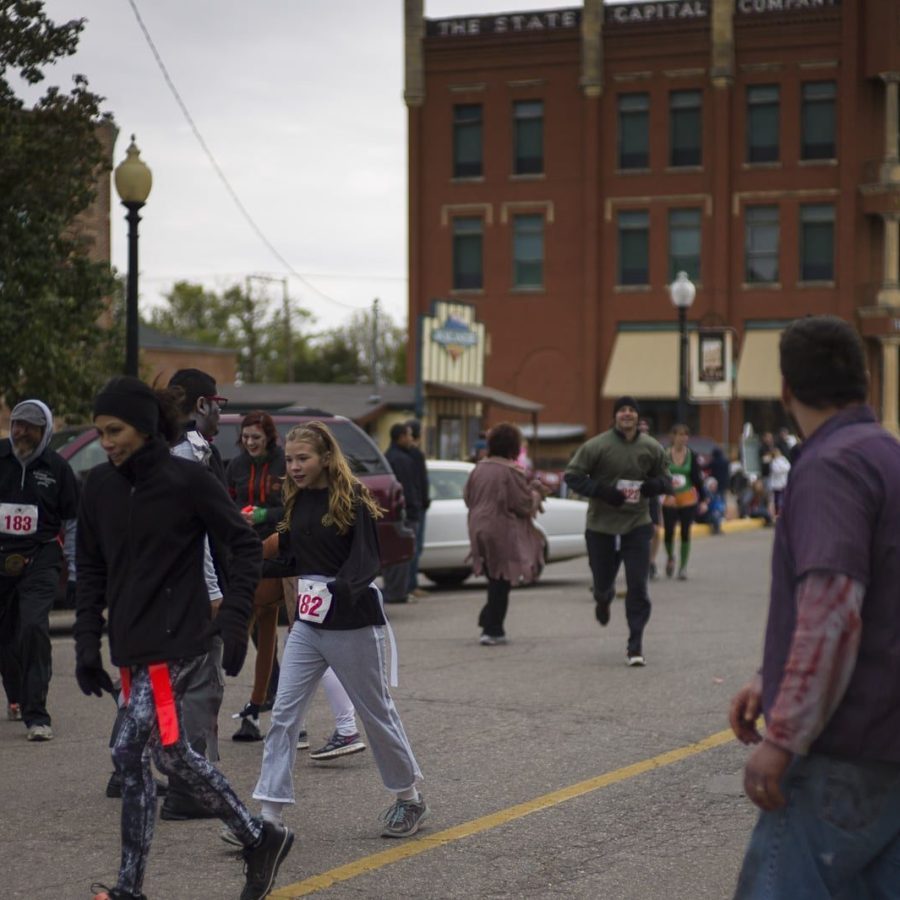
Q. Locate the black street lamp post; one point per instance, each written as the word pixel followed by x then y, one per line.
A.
pixel 133 182
pixel 682 291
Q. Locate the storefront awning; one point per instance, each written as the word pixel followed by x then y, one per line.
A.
pixel 482 394
pixel 643 364
pixel 759 371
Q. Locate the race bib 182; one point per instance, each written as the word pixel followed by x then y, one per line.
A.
pixel 313 600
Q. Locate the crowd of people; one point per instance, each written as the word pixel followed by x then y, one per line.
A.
pixel 180 560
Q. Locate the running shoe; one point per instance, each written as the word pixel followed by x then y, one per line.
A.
pixel 635 659
pixel 682 575
pixel 339 745
pixel 404 818
pixel 40 733
pixel 670 568
pixel 13 712
pixel 251 710
pixel 249 730
pixel 262 861
pixel 493 640
pixel 601 611
pixel 303 741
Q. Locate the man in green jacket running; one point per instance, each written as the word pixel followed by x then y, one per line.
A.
pixel 618 471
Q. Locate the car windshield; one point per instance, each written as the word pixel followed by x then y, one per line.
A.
pixel 447 484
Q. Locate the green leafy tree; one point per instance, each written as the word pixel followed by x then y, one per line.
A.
pixel 52 295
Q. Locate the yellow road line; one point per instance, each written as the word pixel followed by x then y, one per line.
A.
pixel 428 842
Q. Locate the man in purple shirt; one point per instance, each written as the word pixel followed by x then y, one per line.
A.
pixel 827 774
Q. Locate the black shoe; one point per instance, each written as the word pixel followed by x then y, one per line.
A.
pixel 114 787
pixel 262 861
pixel 181 807
pixel 102 892
pixel 601 611
pixel 249 730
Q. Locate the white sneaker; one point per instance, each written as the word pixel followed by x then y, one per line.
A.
pixel 635 659
pixel 490 640
pixel 40 733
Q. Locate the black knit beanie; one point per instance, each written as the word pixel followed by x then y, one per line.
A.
pixel 626 401
pixel 130 400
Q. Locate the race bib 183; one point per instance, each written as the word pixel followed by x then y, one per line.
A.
pixel 313 600
pixel 20 520
pixel 631 490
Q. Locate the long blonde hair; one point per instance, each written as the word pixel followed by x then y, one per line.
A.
pixel 345 490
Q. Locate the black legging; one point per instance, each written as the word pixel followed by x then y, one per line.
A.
pixel 137 739
pixel 671 516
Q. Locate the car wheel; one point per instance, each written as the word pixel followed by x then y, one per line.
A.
pixel 452 578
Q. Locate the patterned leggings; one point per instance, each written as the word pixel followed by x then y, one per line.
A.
pixel 137 739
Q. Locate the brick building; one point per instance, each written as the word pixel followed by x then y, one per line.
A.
pixel 565 164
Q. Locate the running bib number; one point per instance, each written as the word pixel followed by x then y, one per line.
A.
pixel 631 490
pixel 18 520
pixel 679 481
pixel 313 600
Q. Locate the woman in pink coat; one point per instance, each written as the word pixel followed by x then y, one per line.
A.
pixel 506 546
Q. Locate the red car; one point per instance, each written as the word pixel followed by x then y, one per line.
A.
pixel 80 446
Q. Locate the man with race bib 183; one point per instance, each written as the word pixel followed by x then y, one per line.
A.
pixel 38 495
pixel 618 471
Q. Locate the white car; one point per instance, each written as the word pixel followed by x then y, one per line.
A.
pixel 446 544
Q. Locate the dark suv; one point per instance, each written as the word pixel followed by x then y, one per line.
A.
pixel 80 446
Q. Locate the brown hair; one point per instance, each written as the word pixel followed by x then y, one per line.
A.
pixel 265 424
pixel 504 440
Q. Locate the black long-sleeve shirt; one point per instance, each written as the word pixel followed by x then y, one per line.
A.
pixel 349 561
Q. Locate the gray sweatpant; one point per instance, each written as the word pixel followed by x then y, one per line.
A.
pixel 358 659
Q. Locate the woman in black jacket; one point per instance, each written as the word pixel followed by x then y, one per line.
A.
pixel 254 479
pixel 141 529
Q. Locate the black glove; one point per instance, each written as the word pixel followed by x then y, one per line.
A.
pixel 653 487
pixel 92 678
pixel 234 630
pixel 611 495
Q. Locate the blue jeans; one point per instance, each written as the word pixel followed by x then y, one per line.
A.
pixel 419 528
pixel 838 836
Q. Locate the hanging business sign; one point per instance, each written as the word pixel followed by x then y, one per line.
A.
pixel 711 376
pixel 455 336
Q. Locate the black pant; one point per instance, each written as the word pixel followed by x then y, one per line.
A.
pixel 675 515
pixel 25 658
pixel 492 615
pixel 605 558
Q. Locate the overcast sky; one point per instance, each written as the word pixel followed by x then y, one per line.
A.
pixel 300 103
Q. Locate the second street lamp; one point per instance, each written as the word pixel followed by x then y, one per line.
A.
pixel 682 292
pixel 133 182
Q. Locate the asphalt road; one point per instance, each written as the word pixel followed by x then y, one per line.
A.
pixel 552 769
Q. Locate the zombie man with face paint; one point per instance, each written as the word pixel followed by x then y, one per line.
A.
pixel 38 494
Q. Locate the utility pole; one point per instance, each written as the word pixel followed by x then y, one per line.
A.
pixel 376 379
pixel 288 334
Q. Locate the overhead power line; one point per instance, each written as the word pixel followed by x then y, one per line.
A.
pixel 218 169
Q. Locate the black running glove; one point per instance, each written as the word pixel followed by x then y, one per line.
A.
pixel 233 628
pixel 92 678
pixel 653 487
pixel 608 494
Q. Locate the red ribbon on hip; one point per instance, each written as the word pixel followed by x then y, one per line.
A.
pixel 163 700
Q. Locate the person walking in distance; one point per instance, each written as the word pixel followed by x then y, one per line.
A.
pixel 38 496
pixel 421 467
pixel 506 547
pixel 826 774
pixel 328 539
pixel 688 497
pixel 396 578
pixel 618 471
pixel 142 524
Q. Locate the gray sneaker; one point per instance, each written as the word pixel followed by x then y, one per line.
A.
pixel 261 862
pixel 404 818
pixel 40 733
pixel 303 741
pixel 339 745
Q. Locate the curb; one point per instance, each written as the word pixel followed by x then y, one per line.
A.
pixel 732 526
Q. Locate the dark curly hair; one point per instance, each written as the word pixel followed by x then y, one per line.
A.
pixel 504 440
pixel 823 362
